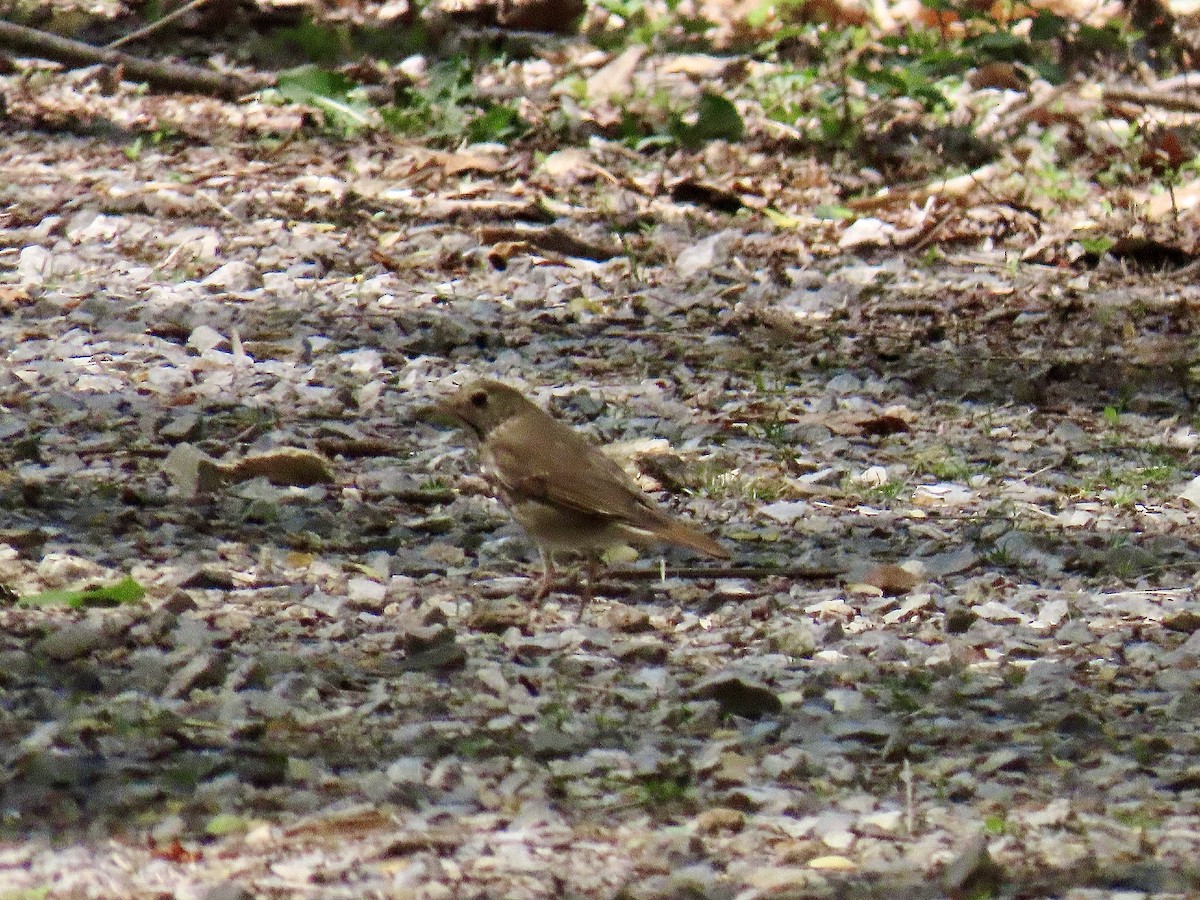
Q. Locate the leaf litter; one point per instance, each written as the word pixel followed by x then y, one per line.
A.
pixel 332 678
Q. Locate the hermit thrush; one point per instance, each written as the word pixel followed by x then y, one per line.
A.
pixel 561 489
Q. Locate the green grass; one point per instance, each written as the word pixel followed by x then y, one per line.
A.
pixel 1130 486
pixel 886 492
pixel 718 482
pixel 942 464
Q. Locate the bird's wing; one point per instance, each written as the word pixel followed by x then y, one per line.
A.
pixel 562 469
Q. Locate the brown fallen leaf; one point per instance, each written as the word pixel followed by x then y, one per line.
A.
pixel 175 852
pixel 342 822
pixel 552 240
pixel 616 78
pixel 13 296
pixel 999 75
pixel 882 426
pixel 194 472
pixel 502 252
pixel 468 161
pixel 550 16
pixel 891 579
pixel 287 466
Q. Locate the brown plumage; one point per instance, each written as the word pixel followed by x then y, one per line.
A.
pixel 561 489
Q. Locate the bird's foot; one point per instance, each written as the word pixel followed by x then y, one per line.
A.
pixel 544 586
pixel 573 584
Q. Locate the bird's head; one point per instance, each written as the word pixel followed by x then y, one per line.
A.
pixel 484 404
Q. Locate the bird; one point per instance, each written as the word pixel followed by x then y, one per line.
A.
pixel 562 489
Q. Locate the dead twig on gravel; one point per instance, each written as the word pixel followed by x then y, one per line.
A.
pixel 161 75
pixel 156 25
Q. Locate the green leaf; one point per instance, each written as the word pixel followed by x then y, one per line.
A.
pixel 306 81
pixel 836 213
pixel 37 893
pixel 223 824
pixel 716 119
pixel 500 123
pixel 125 591
pixel 444 109
pixel 1097 245
pixel 329 92
pixel 1047 26
pixel 780 219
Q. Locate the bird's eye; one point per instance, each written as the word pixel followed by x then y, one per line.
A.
pixel 479 398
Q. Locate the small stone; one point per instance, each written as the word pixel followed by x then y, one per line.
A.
pixel 205 337
pixel 72 641
pixel 441 658
pixel 154 627
pixel 178 602
pixel 1145 877
pixel 893 580
pixel 959 619
pixel 703 255
pixel 202 670
pixel 998 612
pixel 209 579
pixel 1005 760
pixel 180 428
pixel 778 881
pixel 642 651
pixel 733 769
pixel 550 743
pixel 34 265
pixel 1075 724
pixel 227 891
pixel 168 829
pixel 832 864
pixel 498 616
pixel 234 276
pixel 627 619
pixel 973 873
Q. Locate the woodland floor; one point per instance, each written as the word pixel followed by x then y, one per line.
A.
pixel 965 467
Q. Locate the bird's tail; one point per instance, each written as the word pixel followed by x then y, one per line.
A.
pixel 672 532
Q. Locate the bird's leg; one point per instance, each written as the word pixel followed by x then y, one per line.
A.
pixel 547 583
pixel 586 592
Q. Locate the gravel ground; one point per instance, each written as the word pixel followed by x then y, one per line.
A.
pixel 956 652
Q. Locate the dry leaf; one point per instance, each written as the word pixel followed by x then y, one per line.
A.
pixel 891 579
pixel 832 863
pixel 616 78
pixel 469 161
pixel 1191 493
pixel 566 162
pixel 288 466
pixel 882 426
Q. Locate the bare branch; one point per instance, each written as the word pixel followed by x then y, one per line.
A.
pixel 160 75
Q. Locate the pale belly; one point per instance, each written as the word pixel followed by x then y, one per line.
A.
pixel 557 529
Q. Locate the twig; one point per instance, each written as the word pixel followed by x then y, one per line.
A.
pixel 943 188
pixel 168 76
pixel 1176 102
pixel 754 572
pixel 930 234
pixel 1017 117
pixel 155 25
